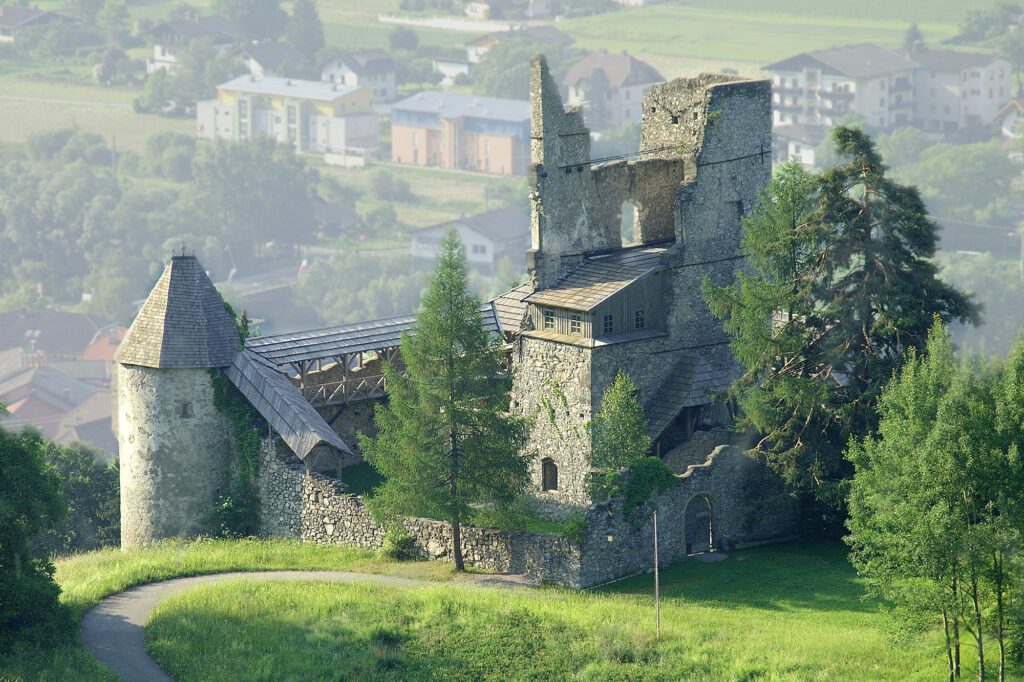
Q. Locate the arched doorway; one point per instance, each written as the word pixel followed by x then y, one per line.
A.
pixel 697 522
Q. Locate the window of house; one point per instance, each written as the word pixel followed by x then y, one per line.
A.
pixel 549 319
pixel 640 319
pixel 881 102
pixel 576 324
pixel 609 324
pixel 185 410
pixel 479 249
pixel 549 474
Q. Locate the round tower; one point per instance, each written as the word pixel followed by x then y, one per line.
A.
pixel 175 447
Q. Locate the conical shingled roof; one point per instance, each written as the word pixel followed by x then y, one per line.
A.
pixel 182 324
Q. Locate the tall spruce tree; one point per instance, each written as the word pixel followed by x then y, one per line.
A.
pixel 446 439
pixel 841 287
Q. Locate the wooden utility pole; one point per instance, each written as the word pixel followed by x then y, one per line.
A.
pixel 657 586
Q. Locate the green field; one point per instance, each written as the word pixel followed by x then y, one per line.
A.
pixel 670 35
pixel 793 613
pixel 85 579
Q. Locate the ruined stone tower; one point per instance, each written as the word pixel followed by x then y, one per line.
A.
pixel 599 302
pixel 174 446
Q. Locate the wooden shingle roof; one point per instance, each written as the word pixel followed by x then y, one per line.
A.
pixel 277 399
pixel 183 323
pixel 691 381
pixel 510 308
pixel 598 278
pixel 333 342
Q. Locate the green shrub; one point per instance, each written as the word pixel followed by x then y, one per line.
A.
pixel 574 528
pixel 399 545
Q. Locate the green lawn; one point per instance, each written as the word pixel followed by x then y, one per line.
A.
pixel 87 578
pixel 757 37
pixel 792 613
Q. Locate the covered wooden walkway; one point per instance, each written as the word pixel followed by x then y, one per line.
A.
pixel 342 364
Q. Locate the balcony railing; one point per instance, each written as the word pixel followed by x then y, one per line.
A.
pixel 346 390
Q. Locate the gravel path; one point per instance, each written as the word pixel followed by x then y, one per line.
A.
pixel 113 630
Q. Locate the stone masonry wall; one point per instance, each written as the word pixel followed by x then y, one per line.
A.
pixel 174 452
pixel 745 508
pixel 547 372
pixel 316 508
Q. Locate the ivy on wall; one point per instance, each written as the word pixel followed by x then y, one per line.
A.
pixel 236 512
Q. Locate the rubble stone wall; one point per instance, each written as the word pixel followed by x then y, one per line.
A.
pixel 315 508
pixel 174 451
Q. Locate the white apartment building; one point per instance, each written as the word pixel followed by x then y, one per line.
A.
pixel 821 87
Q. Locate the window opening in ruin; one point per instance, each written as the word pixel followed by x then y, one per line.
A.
pixel 640 320
pixel 549 319
pixel 609 324
pixel 549 474
pixel 576 324
pixel 185 410
pixel 629 224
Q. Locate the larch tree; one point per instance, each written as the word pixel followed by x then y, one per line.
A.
pixel 446 438
pixel 841 286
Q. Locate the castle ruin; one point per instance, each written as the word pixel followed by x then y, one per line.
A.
pixel 619 250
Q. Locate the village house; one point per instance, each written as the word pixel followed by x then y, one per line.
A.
pixel 461 132
pixel 957 90
pixel 1009 119
pixel 15 19
pixel 508 9
pixel 372 69
pixel 939 91
pixel 314 116
pixel 174 35
pixel 609 87
pixel 486 237
pixel 552 40
pixel 797 142
pixel 450 68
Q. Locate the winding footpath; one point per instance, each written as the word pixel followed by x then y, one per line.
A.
pixel 113 629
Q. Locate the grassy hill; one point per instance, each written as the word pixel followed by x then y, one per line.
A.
pixel 794 612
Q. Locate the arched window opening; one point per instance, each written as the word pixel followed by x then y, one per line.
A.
pixel 697 521
pixel 549 474
pixel 630 226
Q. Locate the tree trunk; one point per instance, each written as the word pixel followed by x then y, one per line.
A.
pixel 949 642
pixel 956 622
pixel 977 626
pixel 997 574
pixel 457 546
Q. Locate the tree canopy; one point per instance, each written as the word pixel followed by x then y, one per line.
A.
pixel 30 504
pixel 842 286
pixel 446 440
pixel 935 504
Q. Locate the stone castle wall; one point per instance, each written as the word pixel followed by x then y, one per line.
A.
pixel 745 508
pixel 617 543
pixel 553 382
pixel 175 452
pixel 315 508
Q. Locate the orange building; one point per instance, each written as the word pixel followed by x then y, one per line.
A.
pixel 461 132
